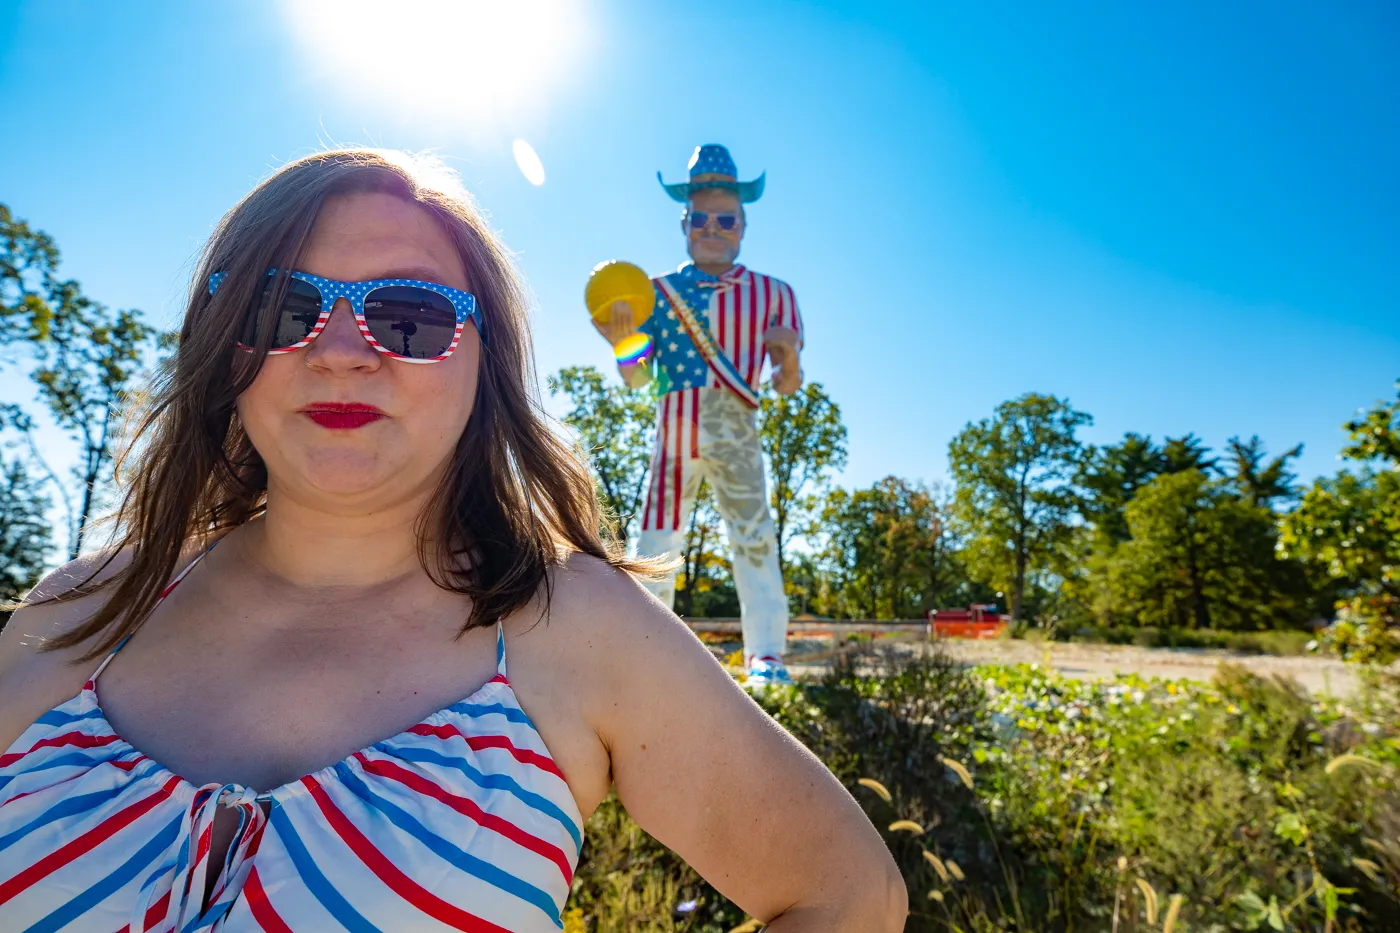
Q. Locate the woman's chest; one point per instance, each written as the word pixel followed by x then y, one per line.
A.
pixel 264 709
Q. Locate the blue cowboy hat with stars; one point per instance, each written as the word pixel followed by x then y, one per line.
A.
pixel 712 167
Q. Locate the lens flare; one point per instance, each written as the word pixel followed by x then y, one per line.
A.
pixel 632 349
pixel 528 161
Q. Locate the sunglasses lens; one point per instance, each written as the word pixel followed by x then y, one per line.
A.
pixel 698 219
pixel 726 221
pixel 301 308
pixel 411 322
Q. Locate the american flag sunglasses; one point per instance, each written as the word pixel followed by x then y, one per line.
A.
pixel 406 319
pixel 699 220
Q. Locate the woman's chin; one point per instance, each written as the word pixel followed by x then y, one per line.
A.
pixel 353 474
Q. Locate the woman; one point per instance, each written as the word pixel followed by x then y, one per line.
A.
pixel 284 744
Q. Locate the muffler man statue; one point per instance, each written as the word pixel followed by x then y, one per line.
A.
pixel 711 328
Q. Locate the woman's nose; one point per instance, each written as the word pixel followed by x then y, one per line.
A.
pixel 341 345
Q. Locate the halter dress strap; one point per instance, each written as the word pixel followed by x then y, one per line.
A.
pixel 501 654
pixel 159 599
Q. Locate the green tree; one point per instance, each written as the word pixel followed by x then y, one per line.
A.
pixel 1348 526
pixel 705 586
pixel 887 553
pixel 615 425
pixel 1112 475
pixel 804 439
pixel 1202 555
pixel 1187 452
pixel 1259 482
pixel 1015 503
pixel 88 358
pixel 25 537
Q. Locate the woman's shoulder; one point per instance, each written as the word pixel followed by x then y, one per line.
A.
pixel 602 598
pixel 33 680
pixel 52 608
pixel 601 626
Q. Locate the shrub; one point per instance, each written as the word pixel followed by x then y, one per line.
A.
pixel 1031 802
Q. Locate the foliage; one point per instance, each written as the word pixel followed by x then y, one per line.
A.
pixel 24 530
pixel 705 586
pixel 887 551
pixel 88 357
pixel 1111 476
pixel 615 425
pixel 1199 554
pixel 804 439
pixel 1349 525
pixel 1258 482
pixel 1014 799
pixel 1016 502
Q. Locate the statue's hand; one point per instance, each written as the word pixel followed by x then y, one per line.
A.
pixel 782 349
pixel 621 322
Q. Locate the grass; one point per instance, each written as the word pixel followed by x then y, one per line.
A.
pixel 1014 799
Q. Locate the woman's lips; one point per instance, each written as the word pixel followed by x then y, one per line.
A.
pixel 342 417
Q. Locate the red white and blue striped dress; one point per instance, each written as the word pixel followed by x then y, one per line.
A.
pixel 462 822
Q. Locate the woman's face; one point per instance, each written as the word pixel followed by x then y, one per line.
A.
pixel 396 457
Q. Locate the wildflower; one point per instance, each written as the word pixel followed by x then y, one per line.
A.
pixel 1173 908
pixel 954 870
pixel 1149 896
pixel 936 895
pixel 957 768
pixel 1371 869
pixel 937 864
pixel 877 787
pixel 908 826
pixel 1341 761
pixel 685 907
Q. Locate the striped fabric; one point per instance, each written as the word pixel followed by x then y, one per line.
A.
pixel 462 822
pixel 743 305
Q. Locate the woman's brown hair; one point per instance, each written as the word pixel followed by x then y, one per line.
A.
pixel 515 497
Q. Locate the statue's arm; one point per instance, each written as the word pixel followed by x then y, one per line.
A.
pixel 783 338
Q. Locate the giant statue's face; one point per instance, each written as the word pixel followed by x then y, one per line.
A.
pixel 712 244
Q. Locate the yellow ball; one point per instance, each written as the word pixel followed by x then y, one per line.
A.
pixel 616 280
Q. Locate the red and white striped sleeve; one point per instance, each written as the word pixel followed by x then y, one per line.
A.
pixel 782 310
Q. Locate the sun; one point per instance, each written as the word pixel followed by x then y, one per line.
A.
pixel 482 62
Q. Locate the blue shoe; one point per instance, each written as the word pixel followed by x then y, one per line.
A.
pixel 767 671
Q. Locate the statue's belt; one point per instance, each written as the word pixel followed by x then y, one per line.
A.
pixel 719 364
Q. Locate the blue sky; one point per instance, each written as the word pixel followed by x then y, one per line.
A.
pixel 1182 219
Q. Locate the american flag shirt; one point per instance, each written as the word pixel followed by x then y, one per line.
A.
pixel 737 307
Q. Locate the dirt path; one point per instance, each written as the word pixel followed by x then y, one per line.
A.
pixel 1099 662
pixel 1323 676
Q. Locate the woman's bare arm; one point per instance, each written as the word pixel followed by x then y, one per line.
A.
pixel 33 681
pixel 702 768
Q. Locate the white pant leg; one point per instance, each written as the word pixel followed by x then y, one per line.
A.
pixel 670 542
pixel 730 446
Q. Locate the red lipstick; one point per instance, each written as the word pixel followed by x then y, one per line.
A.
pixel 342 416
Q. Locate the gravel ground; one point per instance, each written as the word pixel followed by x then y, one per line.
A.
pixel 809 656
pixel 1100 662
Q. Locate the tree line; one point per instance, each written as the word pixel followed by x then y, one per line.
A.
pixel 83 362
pixel 1139 532
pixel 1059 531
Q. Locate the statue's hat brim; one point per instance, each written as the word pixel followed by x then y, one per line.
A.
pixel 748 191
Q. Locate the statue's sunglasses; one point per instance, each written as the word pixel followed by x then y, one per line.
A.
pixel 700 219
pixel 407 319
